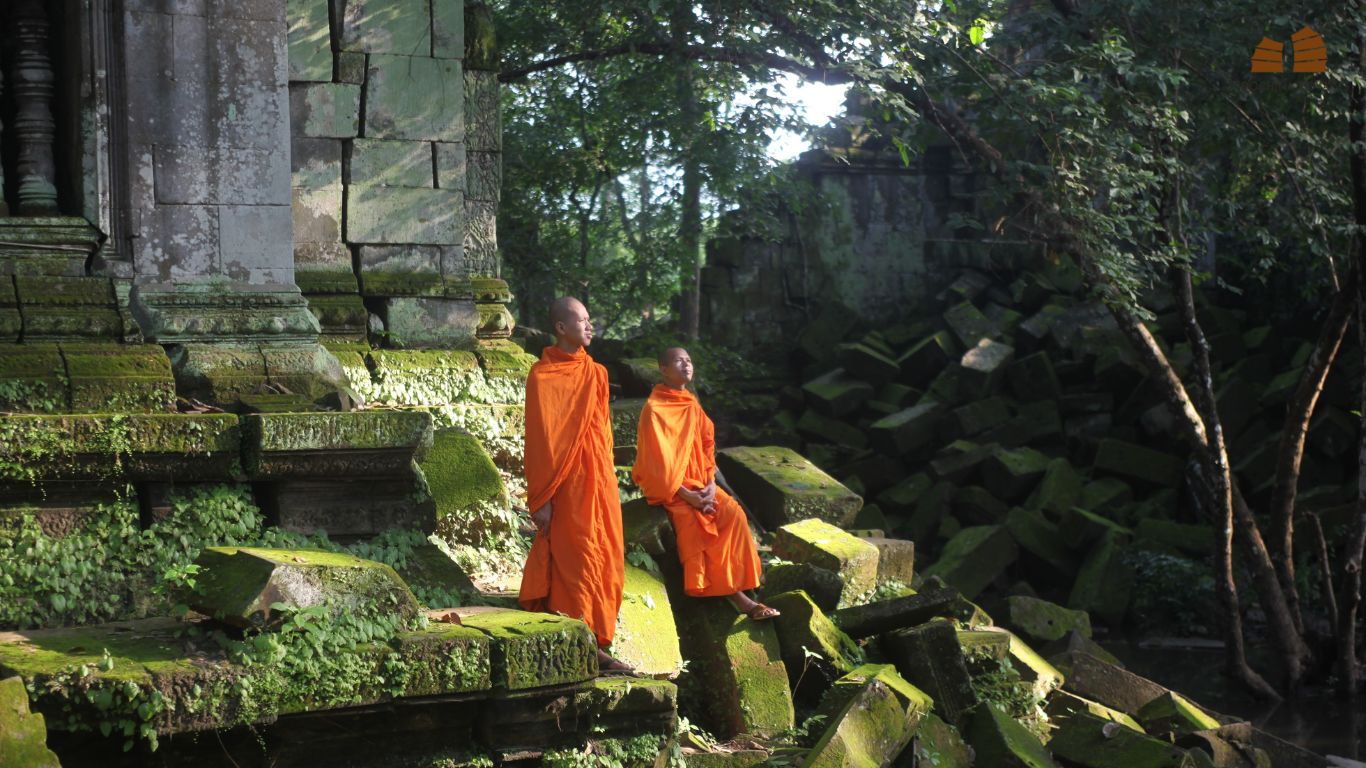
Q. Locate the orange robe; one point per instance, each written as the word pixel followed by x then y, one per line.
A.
pixel 577 566
pixel 676 446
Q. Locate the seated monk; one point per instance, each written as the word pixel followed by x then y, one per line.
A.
pixel 577 564
pixel 676 469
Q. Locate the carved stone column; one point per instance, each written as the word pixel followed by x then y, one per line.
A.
pixel 32 83
pixel 4 206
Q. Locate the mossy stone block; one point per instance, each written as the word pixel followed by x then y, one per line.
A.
pixel 1173 713
pixel 276 444
pixel 390 163
pixel 869 362
pixel 1196 540
pixel 940 745
pixel 979 416
pixel 930 658
pixel 783 487
pixel 386 26
pixel 119 377
pixel 837 394
pixel 481 39
pixel 425 376
pixel 1033 378
pixel 1104 584
pixel 415 97
pixel 648 527
pixel 1011 473
pixel 969 324
pixel 974 557
pixel 743 758
pixel 309 41
pixel 1044 621
pixel 501 358
pixel 823 429
pixel 534 650
pixel 824 587
pixel 923 361
pixel 896 559
pixel 460 476
pixel 1136 462
pixel 403 215
pixel 999 740
pixel 908 432
pixel 1041 538
pixel 325 110
pixel 23 735
pixel 1090 741
pixel 958 461
pixel 1042 676
pixel 33 379
pixel 646 636
pixel 1082 528
pixel 444 659
pixel 238 585
pixel 741 679
pixel 905 611
pixel 1108 684
pixel 638 376
pixel 984 364
pixel 1062 704
pixel 1059 489
pixel 429 567
pixel 823 545
pixel 815 651
pixel 871 714
pixel 35 448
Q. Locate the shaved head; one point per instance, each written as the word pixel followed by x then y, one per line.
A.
pixel 668 354
pixel 565 309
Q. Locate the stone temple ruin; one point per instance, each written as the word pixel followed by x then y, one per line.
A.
pixel 249 289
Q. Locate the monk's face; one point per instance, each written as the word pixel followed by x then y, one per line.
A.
pixel 574 326
pixel 677 368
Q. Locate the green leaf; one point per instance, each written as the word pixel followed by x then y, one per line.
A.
pixel 977 32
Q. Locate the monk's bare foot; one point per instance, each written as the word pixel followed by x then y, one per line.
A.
pixel 756 611
pixel 609 665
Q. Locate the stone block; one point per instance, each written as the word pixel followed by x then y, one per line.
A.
pixel 870 619
pixel 938 744
pixel 1090 741
pixel 1081 528
pixel 649 528
pixel 119 377
pixel 239 586
pixel 1059 489
pixel 484 176
pixel 443 659
pixel 978 506
pixel 351 67
pixel 324 110
pixel 896 559
pixel 424 322
pixel 401 270
pixel 865 362
pixel 448 29
pixel 428 568
pixel 460 477
pixel 388 163
pixel 451 165
pixel 324 268
pixel 905 495
pixel 1010 474
pixel 386 26
pixel 219 175
pixel 821 544
pixel 625 415
pixel 535 650
pixel 401 215
pixel 781 486
pixel 930 658
pixel 968 324
pixel 1172 713
pixel 999 740
pixel 824 429
pixel 1194 540
pixel 974 557
pixel 33 379
pixel 1044 621
pixel 364 443
pixel 871 715
pixel 483 122
pixel 837 394
pixel 979 416
pixel 1062 705
pixel 1033 668
pixel 310 41
pixel 1117 688
pixel 646 635
pixel 316 215
pixel 927 358
pixel 1136 462
pixel 958 462
pixel 740 673
pixel 1032 378
pixel 253 239
pixel 23 734
pixel 1105 582
pixel 1039 537
pixel 40 448
pixel 481 235
pixel 342 316
pixel 984 364
pixel 414 97
pixel 814 650
pixel 908 432
pixel 823 587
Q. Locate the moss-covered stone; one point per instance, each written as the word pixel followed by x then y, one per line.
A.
pixel 1043 678
pixel 974 557
pixel 1062 704
pixel 647 527
pixel 743 758
pixel 1042 539
pixel 999 740
pixel 646 636
pixel 23 735
pixel 239 585
pixel 896 559
pixel 1044 621
pixel 1173 713
pixel 823 545
pixel 1060 488
pixel 1010 474
pixel 428 568
pixel 1105 582
pixel 1137 462
pixel 481 40
pixel 837 394
pixel 1108 684
pixel 871 716
pixel 909 431
pixel 119 377
pixel 739 682
pixel 907 611
pixel 338 431
pixel 444 659
pixel 430 377
pixel 501 358
pixel 930 658
pixel 626 419
pixel 938 744
pixel 1090 741
pixel 33 379
pixel 533 650
pixel 782 487
pixel 814 650
pixel 460 476
pixel 1183 538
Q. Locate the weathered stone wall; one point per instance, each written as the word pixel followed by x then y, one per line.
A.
pixel 396 165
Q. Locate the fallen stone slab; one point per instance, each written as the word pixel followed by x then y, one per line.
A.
pixel 1136 462
pixel 922 362
pixel 461 475
pixel 1011 473
pixel 1044 621
pixel 1207 748
pixel 836 393
pixel 866 362
pixel 646 635
pixel 1172 713
pixel 1086 740
pixel 906 611
pixel 1104 582
pixel 1075 641
pixel 1043 678
pixel 1059 489
pixel 1036 424
pixel 976 417
pixel 428 568
pixel 821 544
pixel 647 527
pixel 959 461
pixel 23 735
pixel 999 740
pixel 975 505
pixel 908 432
pixel 815 651
pixel 239 585
pixel 979 644
pixel 1040 538
pixel 638 376
pixel 533 650
pixel 903 497
pixel 984 364
pixel 1196 540
pixel 974 557
pixel 1033 378
pixel 824 587
pixel 1082 528
pixel 1281 752
pixel 930 509
pixel 872 715
pixel 896 559
pixel 625 707
pixel 1091 678
pixel 969 324
pixel 938 744
pixel 1105 492
pixel 1062 704
pixel 930 658
pixel 816 426
pixel 782 487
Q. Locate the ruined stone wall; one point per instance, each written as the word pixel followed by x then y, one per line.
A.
pixel 396 164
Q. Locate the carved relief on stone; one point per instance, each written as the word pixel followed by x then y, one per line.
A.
pixel 179 316
pixel 491 296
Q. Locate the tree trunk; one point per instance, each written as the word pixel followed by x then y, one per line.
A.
pixel 690 212
pixel 1295 431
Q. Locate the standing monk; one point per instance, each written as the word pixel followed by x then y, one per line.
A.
pixel 577 563
pixel 676 469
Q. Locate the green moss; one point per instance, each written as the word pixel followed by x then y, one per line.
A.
pixel 460 473
pixel 1173 713
pixel 103 446
pixel 1045 621
pixel 1062 704
pixel 533 650
pixel 938 744
pixel 443 659
pixel 33 379
pixel 763 702
pixel 1000 741
pixel 783 487
pixel 1087 740
pixel 334 431
pixel 974 557
pixel 23 736
pixel 626 419
pixel 871 716
pixel 823 545
pixel 646 635
pixel 815 651
pixel 504 359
